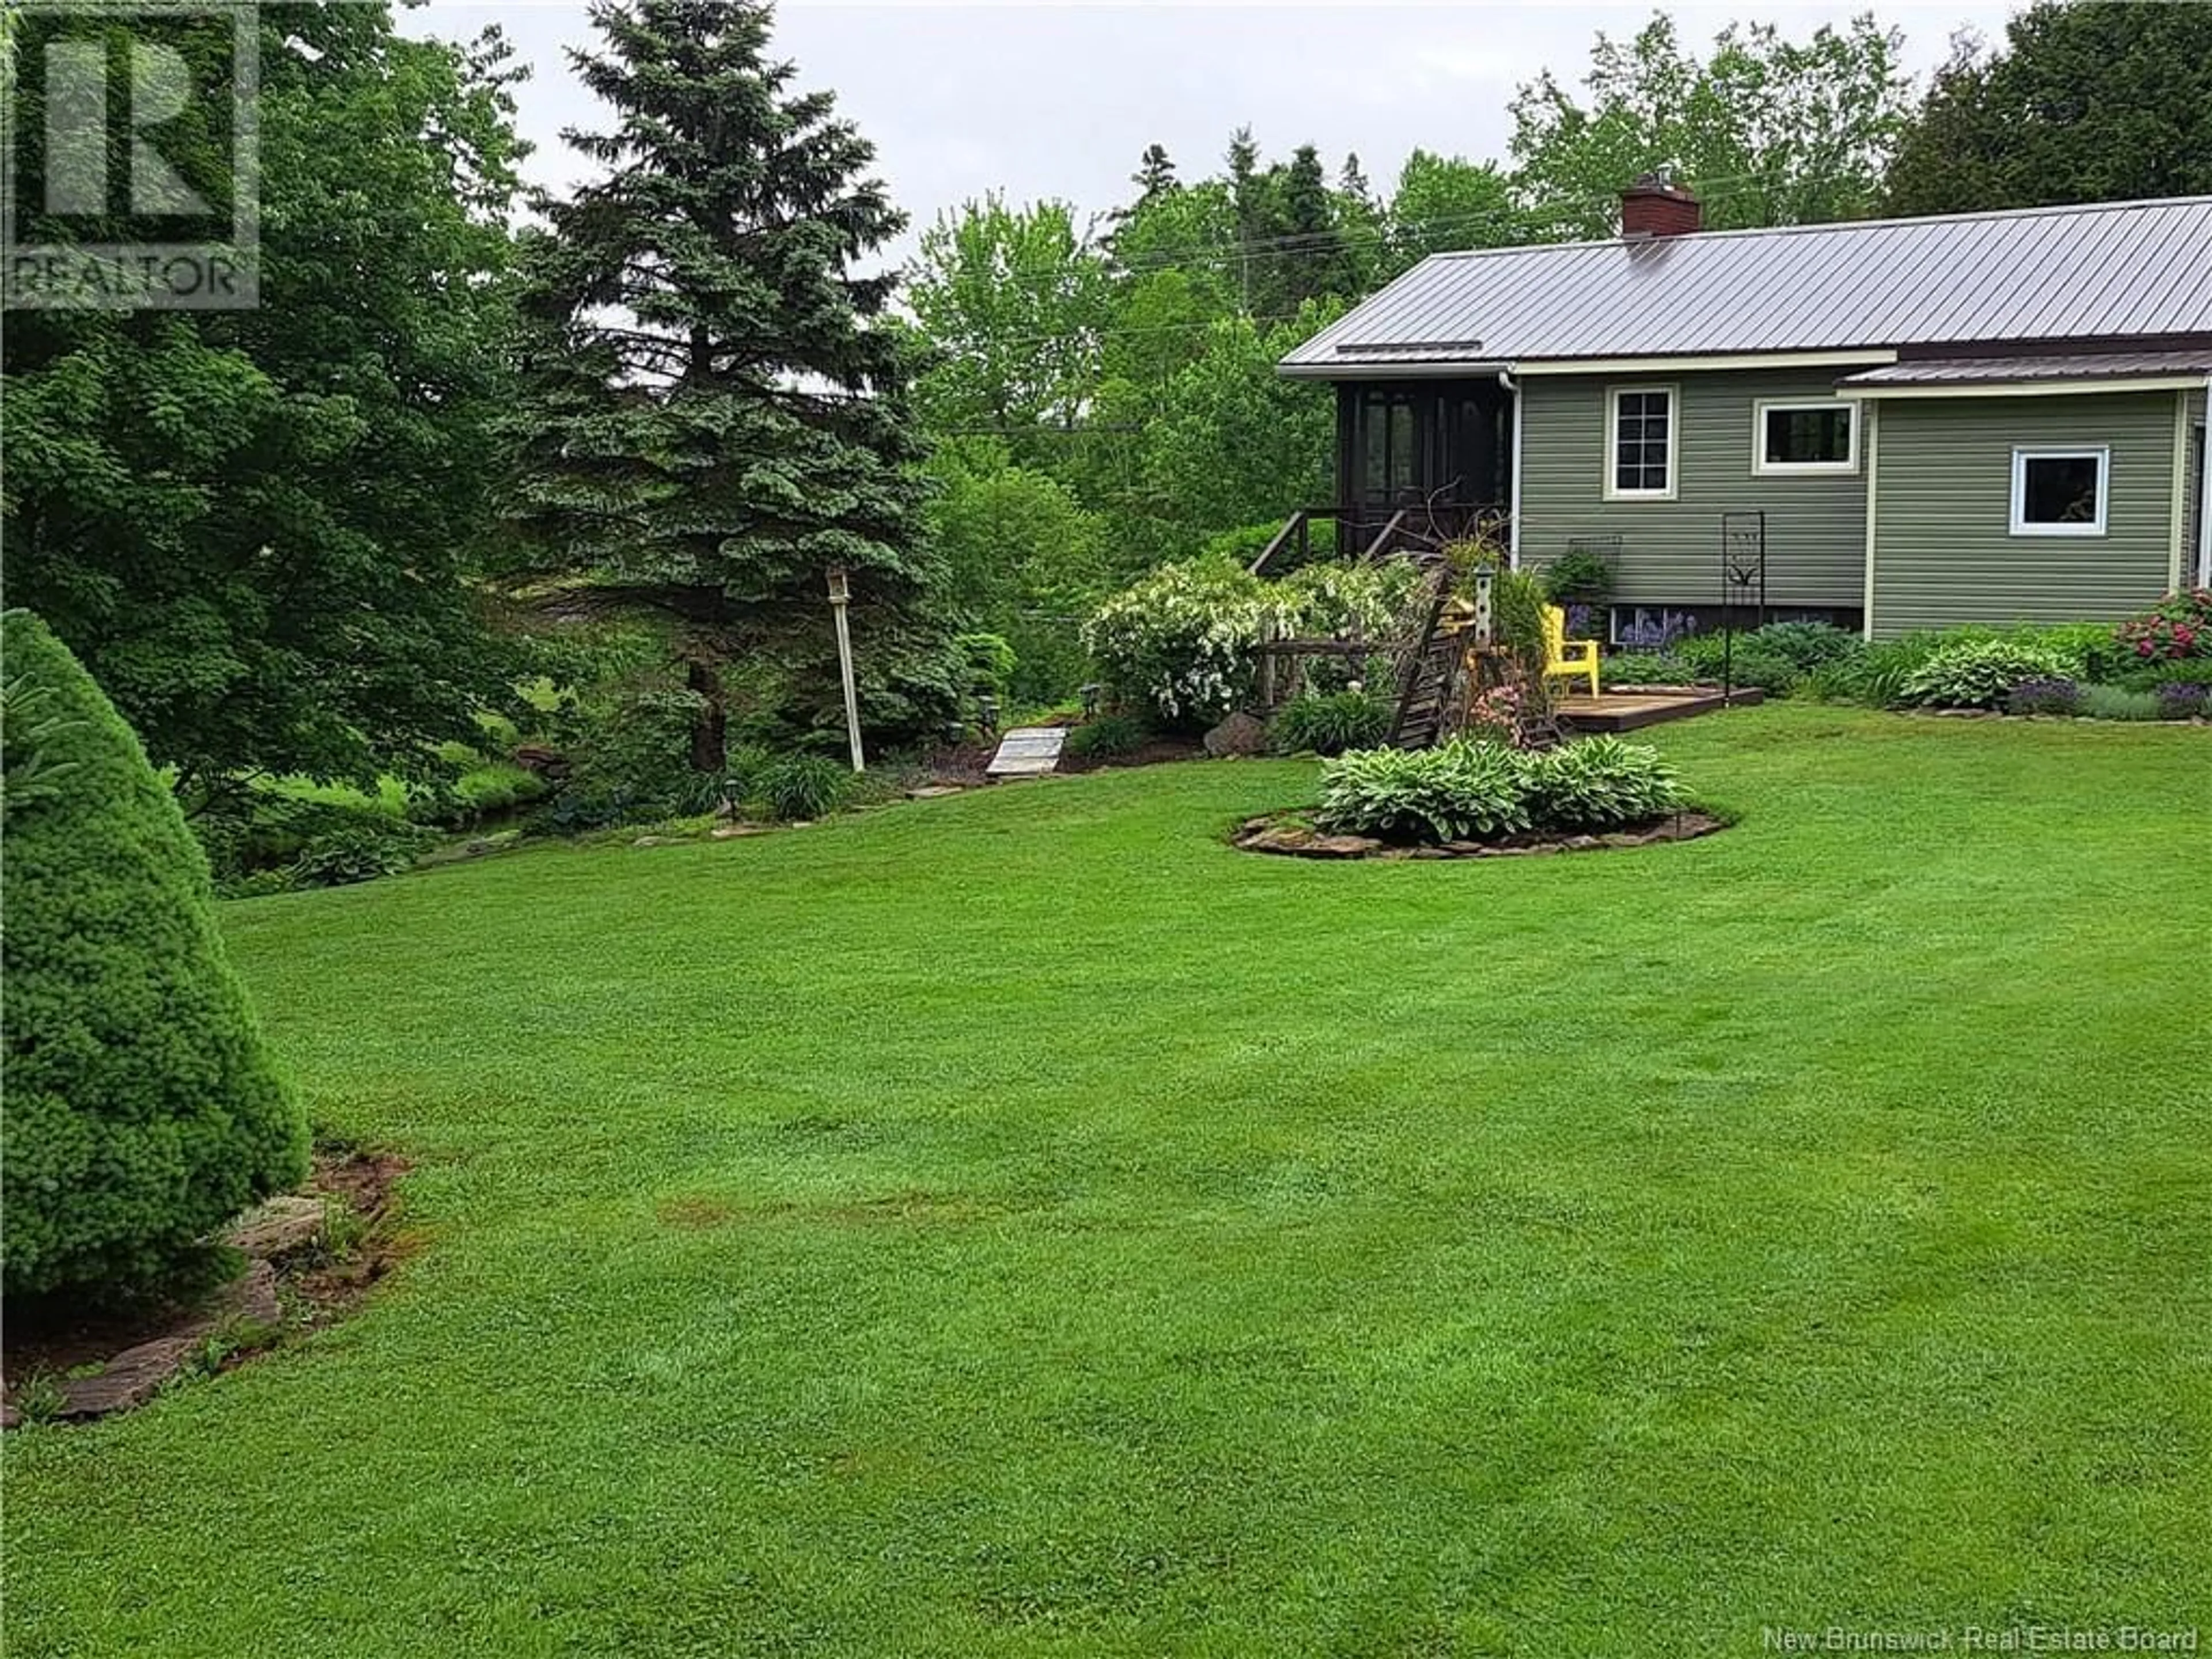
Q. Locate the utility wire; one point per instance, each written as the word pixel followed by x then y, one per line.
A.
pixel 1548 214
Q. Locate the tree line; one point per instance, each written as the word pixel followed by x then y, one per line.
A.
pixel 456 441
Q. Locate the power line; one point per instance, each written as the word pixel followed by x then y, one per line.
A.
pixel 1102 334
pixel 1548 214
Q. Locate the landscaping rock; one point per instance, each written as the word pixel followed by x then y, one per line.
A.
pixel 656 841
pixel 1340 847
pixel 1240 734
pixel 131 1378
pixel 931 791
pixel 731 831
pixel 134 1376
pixel 1281 834
pixel 288 1222
pixel 252 1296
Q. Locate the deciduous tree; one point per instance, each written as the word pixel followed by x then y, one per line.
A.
pixel 1767 131
pixel 1234 443
pixel 1445 202
pixel 257 527
pixel 1012 301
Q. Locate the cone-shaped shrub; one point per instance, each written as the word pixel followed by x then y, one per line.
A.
pixel 140 1110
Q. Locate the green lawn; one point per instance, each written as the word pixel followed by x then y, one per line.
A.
pixel 1018 1224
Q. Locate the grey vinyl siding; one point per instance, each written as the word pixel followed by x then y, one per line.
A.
pixel 1944 549
pixel 1670 550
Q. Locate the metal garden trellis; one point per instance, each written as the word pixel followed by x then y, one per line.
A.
pixel 1743 570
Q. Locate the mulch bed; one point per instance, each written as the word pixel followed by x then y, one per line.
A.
pixel 1152 752
pixel 1288 835
pixel 307 1264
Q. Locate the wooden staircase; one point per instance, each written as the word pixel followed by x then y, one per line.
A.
pixel 1429 666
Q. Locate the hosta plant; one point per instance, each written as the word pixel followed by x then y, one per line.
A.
pixel 1459 791
pixel 1979 673
pixel 1598 783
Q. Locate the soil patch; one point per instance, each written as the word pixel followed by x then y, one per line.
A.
pixel 1153 751
pixel 310 1257
pixel 695 1215
pixel 1291 834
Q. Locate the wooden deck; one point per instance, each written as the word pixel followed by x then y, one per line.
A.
pixel 1625 711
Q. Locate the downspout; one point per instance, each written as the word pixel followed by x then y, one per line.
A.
pixel 1507 383
pixel 1871 442
pixel 2204 492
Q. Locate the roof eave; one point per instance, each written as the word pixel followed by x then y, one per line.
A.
pixel 2042 388
pixel 1402 369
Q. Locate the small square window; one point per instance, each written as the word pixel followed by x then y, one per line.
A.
pixel 1809 437
pixel 1640 425
pixel 2059 492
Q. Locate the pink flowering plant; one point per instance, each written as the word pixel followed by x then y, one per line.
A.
pixel 2178 626
pixel 1496 714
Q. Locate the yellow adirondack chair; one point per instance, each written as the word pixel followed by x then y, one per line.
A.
pixel 1565 658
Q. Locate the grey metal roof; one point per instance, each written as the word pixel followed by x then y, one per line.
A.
pixel 2074 366
pixel 2106 270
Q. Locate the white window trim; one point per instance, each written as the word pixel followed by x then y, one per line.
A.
pixel 1613 394
pixel 2023 453
pixel 1763 468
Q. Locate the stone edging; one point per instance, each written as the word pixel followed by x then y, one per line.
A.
pixel 1284 834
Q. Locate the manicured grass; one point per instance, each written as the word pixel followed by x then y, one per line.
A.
pixel 1018 1224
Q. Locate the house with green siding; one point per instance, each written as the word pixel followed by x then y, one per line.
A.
pixel 1887 424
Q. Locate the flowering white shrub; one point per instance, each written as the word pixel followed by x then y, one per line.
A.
pixel 1181 640
pixel 1368 599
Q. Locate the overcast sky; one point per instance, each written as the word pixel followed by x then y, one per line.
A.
pixel 1039 99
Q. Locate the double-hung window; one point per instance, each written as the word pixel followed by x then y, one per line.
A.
pixel 2060 492
pixel 1790 438
pixel 1640 443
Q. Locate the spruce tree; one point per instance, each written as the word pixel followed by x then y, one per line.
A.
pixel 1315 261
pixel 718 406
pixel 1155 174
pixel 1248 196
pixel 1352 181
pixel 143 1110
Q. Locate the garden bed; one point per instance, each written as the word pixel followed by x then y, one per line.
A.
pixel 2063 719
pixel 1153 751
pixel 310 1257
pixel 1291 834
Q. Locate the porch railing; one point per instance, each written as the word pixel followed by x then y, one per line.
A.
pixel 1369 532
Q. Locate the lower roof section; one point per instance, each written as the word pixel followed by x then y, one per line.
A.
pixel 1966 374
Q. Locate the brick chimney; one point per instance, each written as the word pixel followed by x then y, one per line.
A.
pixel 1654 205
